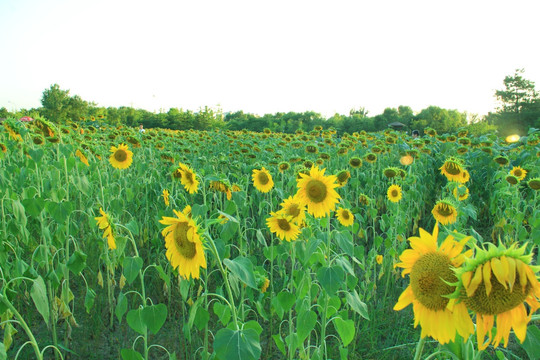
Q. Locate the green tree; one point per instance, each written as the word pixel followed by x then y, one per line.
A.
pixel 59 107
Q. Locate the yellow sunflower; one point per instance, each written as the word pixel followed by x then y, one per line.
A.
pixel 293 207
pixel 345 217
pixel 394 193
pixel 452 169
pixel 104 224
pixel 189 179
pixel 262 180
pixel 121 157
pixel 184 246
pixel 379 259
pixel 343 177
pixel 444 212
pixel 283 226
pixel 461 192
pixel 430 271
pixel 166 196
pixel 518 172
pixel 495 285
pixel 317 192
pixel 82 157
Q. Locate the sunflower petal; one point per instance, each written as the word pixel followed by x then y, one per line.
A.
pixel 499 271
pixel 475 282
pixel 487 277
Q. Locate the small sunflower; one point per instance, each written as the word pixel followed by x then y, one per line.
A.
pixel 189 179
pixel 363 199
pixel 394 193
pixel 501 160
pixel 370 158
pixel 282 224
pixel 293 207
pixel 121 157
pixel 430 271
pixel 265 285
pixel 284 166
pixel 518 172
pixel 390 172
pixel 512 180
pixel 262 180
pixel 379 259
pixel 184 246
pixel 355 162
pixel 444 212
pixel 166 197
pixel 461 192
pixel 104 224
pixel 452 169
pixel 534 184
pixel 343 177
pixel 317 192
pixel 3 148
pixel 496 284
pixel 345 217
pixel 406 160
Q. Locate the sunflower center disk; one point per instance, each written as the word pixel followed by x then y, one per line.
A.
pixel 499 300
pixel 284 224
pixel 185 247
pixel 293 211
pixel 189 176
pixel 427 282
pixel 453 169
pixel 345 215
pixel 316 191
pixel 263 178
pixel 395 193
pixel 444 210
pixel 120 155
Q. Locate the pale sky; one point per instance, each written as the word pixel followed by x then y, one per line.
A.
pixel 268 56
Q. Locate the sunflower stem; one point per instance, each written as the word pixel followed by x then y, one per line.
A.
pixel 419 348
pixel 291 289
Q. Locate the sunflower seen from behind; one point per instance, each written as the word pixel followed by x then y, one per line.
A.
pixel 121 157
pixel 496 284
pixel 316 191
pixel 184 247
pixel 262 180
pixel 430 269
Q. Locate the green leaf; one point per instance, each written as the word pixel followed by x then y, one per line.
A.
pixel 353 299
pixel 331 278
pixel 39 296
pixel 223 312
pixel 532 342
pixel 166 278
pixel 305 323
pixel 36 154
pixel 345 329
pixel 19 212
pixel 132 266
pixel 279 343
pixel 345 244
pixel 242 268
pixel 286 300
pixel 130 354
pixel 237 345
pixel 201 318
pixel 121 307
pixel 154 317
pixel 133 227
pixel 89 299
pixel 3 354
pixel 136 322
pixel 252 324
pixel 34 206
pixel 77 262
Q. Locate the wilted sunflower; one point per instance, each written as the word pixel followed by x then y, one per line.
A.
pixel 317 192
pixel 82 157
pixel 390 172
pixel 262 180
pixel 312 149
pixel 283 166
pixel 534 184
pixel 282 225
pixel 452 169
pixel 430 272
pixel 293 207
pixel 444 212
pixel 518 172
pixel 345 217
pixel 462 150
pixel 165 195
pixel 121 157
pixel 363 199
pixel 355 162
pixel 104 224
pixel 461 192
pixel 394 193
pixel 184 246
pixel 370 158
pixel 495 284
pixel 512 180
pixel 501 160
pixel 343 177
pixel 465 176
pixel 189 179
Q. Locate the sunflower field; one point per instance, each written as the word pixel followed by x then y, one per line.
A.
pixel 116 244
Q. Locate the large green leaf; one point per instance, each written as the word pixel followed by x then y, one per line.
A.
pixel 331 278
pixel 154 317
pixel 242 268
pixel 132 266
pixel 532 342
pixel 130 354
pixel 135 321
pixel 237 345
pixel 353 299
pixel 77 262
pixel 305 323
pixel 223 312
pixel 39 296
pixel 345 329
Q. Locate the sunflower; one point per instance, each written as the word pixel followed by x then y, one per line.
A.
pixel 512 180
pixel 189 179
pixel 345 217
pixel 283 166
pixel 355 162
pixel 363 199
pixel 461 192
pixel 501 160
pixel 104 224
pixel 184 246
pixel 121 157
pixel 394 193
pixel 265 285
pixel 379 259
pixel 518 172
pixel 262 180
pixel 317 192
pixel 343 177
pixel 406 160
pixel 282 224
pixel 3 148
pixel 495 284
pixel 390 172
pixel 534 184
pixel 430 272
pixel 452 169
pixel 81 156
pixel 166 196
pixel 465 176
pixel 293 207
pixel 370 158
pixel 444 212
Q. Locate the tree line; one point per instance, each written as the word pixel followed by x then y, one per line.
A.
pixel 519 111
